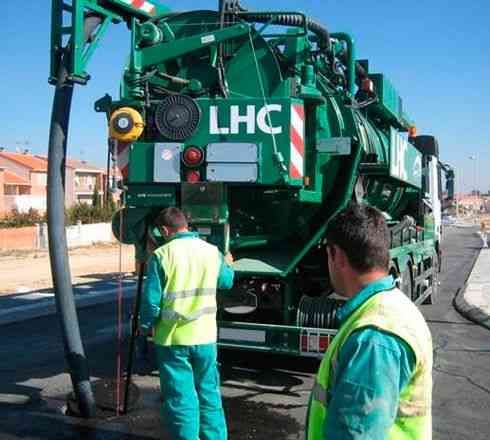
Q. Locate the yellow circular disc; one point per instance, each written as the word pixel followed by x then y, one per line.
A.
pixel 126 124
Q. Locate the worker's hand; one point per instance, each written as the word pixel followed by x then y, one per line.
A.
pixel 228 259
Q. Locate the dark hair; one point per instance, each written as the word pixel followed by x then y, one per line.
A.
pixel 171 218
pixel 361 232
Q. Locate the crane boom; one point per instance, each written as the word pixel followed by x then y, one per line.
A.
pixel 67 28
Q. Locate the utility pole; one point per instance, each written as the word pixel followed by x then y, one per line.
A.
pixel 474 158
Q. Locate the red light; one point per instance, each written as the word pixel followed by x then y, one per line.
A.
pixel 314 343
pixel 193 176
pixel 193 156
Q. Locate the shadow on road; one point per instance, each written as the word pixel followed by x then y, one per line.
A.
pixel 40 421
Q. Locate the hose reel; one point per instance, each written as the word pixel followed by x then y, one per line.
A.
pixel 318 312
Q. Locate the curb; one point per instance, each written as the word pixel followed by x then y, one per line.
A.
pixel 47 307
pixel 469 311
pixel 464 306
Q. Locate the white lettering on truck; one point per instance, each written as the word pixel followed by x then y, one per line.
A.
pixel 250 119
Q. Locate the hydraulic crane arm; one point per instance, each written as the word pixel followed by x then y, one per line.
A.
pixel 67 27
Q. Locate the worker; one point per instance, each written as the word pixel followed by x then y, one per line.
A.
pixel 483 234
pixel 375 380
pixel 179 302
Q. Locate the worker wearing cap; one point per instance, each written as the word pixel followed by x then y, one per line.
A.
pixel 179 302
pixel 375 380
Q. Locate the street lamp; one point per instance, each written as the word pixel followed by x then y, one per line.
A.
pixel 474 158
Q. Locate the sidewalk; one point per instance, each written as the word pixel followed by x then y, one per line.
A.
pixel 473 301
pixel 22 306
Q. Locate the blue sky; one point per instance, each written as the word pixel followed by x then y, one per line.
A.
pixel 435 52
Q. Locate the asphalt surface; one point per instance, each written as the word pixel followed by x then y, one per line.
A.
pixel 23 306
pixel 265 396
pixel 461 408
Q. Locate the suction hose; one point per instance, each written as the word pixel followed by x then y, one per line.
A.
pixel 289 19
pixel 58 249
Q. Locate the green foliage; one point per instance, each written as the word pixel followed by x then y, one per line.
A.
pixel 89 214
pixel 96 201
pixel 79 212
pixel 16 219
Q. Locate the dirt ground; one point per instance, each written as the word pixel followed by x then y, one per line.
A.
pixel 23 271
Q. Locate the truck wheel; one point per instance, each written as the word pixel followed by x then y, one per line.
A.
pixel 434 282
pixel 406 282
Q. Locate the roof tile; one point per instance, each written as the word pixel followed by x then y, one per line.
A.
pixel 28 160
pixel 11 178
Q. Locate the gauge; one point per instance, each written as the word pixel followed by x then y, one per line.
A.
pixel 177 117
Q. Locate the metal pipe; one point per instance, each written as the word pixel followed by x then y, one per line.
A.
pixel 134 329
pixel 58 249
pixel 351 59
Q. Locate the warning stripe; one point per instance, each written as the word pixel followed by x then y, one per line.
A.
pixel 122 149
pixel 142 5
pixel 296 133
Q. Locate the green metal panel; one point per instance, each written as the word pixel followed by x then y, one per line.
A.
pixel 160 53
pixel 151 195
pixel 141 162
pixel 216 126
pixel 405 160
pixel 389 105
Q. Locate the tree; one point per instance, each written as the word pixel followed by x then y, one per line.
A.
pixel 95 197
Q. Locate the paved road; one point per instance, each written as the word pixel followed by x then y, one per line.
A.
pixel 265 396
pixel 33 304
pixel 462 350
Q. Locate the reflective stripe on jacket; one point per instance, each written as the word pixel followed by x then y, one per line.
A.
pixel 188 308
pixel 390 311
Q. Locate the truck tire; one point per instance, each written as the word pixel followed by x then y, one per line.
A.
pixel 434 281
pixel 406 282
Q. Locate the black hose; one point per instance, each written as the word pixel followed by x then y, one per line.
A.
pixel 58 249
pixel 294 20
pixel 318 312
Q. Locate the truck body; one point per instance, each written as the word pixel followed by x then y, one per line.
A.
pixel 261 126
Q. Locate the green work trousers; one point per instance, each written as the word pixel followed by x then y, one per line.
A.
pixel 189 381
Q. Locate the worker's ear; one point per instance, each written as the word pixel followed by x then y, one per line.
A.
pixel 165 232
pixel 339 255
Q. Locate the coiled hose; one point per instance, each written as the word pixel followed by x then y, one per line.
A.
pixel 318 312
pixel 295 20
pixel 287 19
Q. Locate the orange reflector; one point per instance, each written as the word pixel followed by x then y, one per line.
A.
pixel 412 131
pixel 367 85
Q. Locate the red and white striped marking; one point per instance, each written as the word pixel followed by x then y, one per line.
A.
pixel 122 151
pixel 142 5
pixel 297 134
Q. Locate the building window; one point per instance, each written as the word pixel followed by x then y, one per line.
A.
pixel 10 190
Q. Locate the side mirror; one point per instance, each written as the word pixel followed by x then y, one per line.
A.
pixel 450 184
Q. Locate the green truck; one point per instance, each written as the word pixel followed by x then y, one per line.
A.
pixel 261 126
